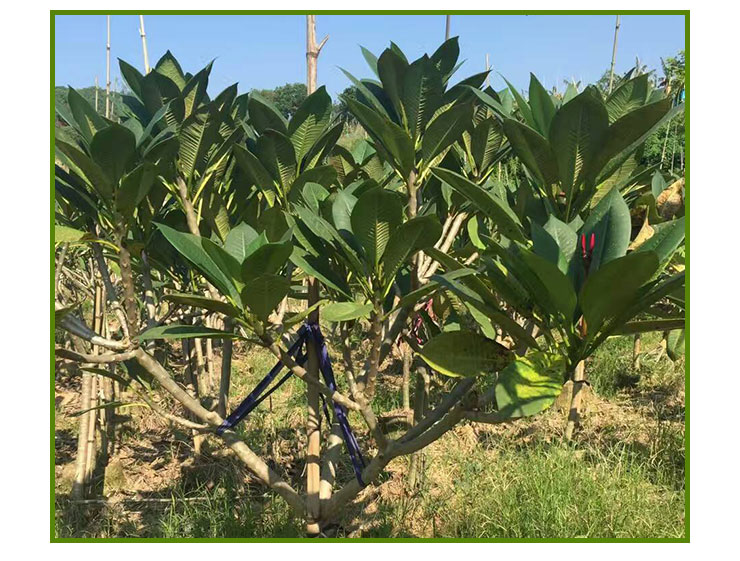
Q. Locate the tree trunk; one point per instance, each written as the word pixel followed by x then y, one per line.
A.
pixel 579 378
pixel 225 382
pixel 313 434
pixel 80 481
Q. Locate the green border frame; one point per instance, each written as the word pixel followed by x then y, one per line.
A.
pixel 685 13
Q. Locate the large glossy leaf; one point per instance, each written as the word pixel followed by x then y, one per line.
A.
pixel 676 344
pixel 505 222
pixel 485 141
pixel 213 262
pixel 87 119
pixel 241 241
pixel 277 155
pixel 345 311
pixel 445 57
pixel 255 171
pixel 197 135
pixel 309 121
pixel 612 288
pixel 533 150
pixel 464 354
pixel 421 94
pixel 264 115
pixel 375 216
pixel 320 267
pixel 169 67
pixel 564 237
pixel 194 91
pixel 263 294
pixel 416 234
pixel 576 134
pixel 87 168
pixel 135 185
pixel 540 102
pixel 562 298
pixel 444 130
pixel 131 76
pixel 666 239
pixel 529 385
pixel 341 211
pixel 269 258
pixel 198 301
pixel 113 148
pixel 611 225
pixel 387 134
pixel 177 331
pixel 630 95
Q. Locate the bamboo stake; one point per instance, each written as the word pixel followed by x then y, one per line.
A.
pixel 313 434
pixel 447 27
pixel 96 94
pixel 614 56
pixel 488 68
pixel 142 32
pixel 107 72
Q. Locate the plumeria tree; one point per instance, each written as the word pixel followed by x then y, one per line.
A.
pixel 207 218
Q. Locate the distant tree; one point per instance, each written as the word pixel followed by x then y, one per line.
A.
pixel 674 75
pixel 286 98
pixel 60 100
pixel 341 110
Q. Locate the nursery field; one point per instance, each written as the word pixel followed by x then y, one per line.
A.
pixel 623 476
pixel 425 309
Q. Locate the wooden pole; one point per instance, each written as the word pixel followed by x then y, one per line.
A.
pixel 488 67
pixel 614 56
pixel 142 32
pixel 107 72
pixel 447 27
pixel 313 409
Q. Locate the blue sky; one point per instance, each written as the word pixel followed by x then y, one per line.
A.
pixel 260 51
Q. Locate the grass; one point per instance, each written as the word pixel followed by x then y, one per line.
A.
pixel 623 476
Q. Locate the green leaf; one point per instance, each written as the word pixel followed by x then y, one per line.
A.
pixel 240 242
pixel 198 133
pixel 386 134
pixel 611 225
pixel 464 354
pixel 543 109
pixel 371 59
pixel 533 150
pixel 135 186
pixel 563 237
pixel 255 171
pixel 375 216
pixel 263 294
pixel 341 211
pixel 421 95
pixel 560 293
pixel 675 344
pixel 576 134
pixel 277 155
pixel 113 148
pixel 444 130
pixel 264 115
pixel 87 119
pixel 169 67
pixel 177 331
pixel 666 239
pixel 198 301
pixel 345 311
pixel 614 286
pixel 131 76
pixel 645 326
pixel 309 122
pixel 65 234
pixel 86 168
pixel 320 268
pixel 269 258
pixel 484 201
pixel 523 106
pixel 415 234
pixel 213 262
pixel 445 57
pixel 629 96
pixel 529 385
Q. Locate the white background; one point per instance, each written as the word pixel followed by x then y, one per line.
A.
pixel 714 185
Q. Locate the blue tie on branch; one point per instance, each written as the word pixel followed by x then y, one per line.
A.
pixel 307 334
